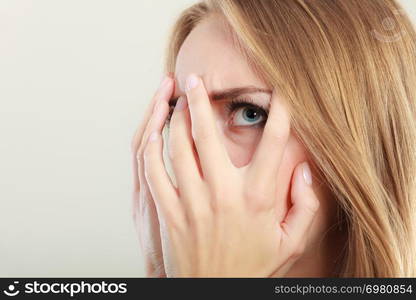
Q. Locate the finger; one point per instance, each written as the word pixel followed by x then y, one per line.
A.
pixel 144 209
pixel 165 90
pixel 147 226
pixel 303 210
pixel 212 154
pixel 160 110
pixel 181 147
pixel 163 191
pixel 148 229
pixel 156 122
pixel 266 160
pixel 161 93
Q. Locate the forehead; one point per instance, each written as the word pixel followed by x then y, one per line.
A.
pixel 209 52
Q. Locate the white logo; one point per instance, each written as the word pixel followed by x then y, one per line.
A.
pixel 389 25
pixel 12 289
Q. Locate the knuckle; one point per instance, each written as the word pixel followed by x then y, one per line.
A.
pixel 223 203
pixel 147 152
pixel 148 175
pixel 220 193
pixel 219 196
pixel 139 157
pixel 173 221
pixel 140 151
pixel 200 214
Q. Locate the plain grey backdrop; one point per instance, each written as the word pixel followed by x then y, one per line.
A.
pixel 75 77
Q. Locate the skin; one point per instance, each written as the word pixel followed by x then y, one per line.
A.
pixel 241 193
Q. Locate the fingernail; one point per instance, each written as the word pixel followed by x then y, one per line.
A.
pixel 307 173
pixel 181 104
pixel 191 82
pixel 153 136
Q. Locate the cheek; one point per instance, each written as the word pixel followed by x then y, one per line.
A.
pixel 241 144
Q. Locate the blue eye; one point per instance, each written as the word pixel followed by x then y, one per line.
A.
pixel 246 113
pixel 247 116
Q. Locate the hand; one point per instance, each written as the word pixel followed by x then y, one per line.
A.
pixel 221 220
pixel 144 210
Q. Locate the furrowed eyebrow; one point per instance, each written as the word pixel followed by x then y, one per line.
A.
pixel 231 93
pixel 238 91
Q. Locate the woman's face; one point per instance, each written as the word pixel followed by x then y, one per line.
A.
pixel 209 52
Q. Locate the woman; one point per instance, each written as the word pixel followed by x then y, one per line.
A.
pixel 292 144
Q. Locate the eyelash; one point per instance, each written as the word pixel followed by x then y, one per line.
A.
pixel 231 107
pixel 236 104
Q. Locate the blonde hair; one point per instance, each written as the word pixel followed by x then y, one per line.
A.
pixel 350 85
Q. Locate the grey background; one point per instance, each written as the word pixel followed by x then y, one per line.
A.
pixel 75 77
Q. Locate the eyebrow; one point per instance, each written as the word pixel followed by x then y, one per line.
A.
pixel 231 93
pixel 235 92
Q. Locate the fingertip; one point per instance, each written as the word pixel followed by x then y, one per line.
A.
pixel 164 91
pixel 298 182
pixel 302 190
pixel 302 176
pixel 306 172
pixel 192 81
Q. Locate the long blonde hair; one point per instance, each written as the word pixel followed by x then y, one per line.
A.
pixel 348 72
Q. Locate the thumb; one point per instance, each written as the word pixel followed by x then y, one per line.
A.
pixel 299 218
pixel 304 207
